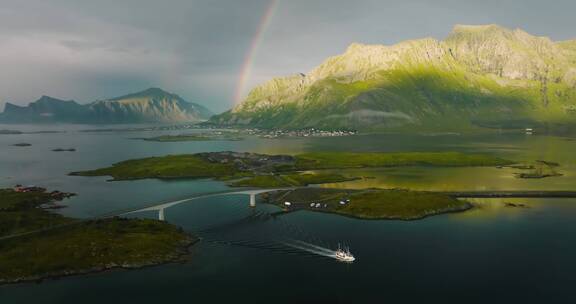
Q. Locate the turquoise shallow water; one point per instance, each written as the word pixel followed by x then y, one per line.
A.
pixel 492 254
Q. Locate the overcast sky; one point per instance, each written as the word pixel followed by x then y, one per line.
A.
pixel 87 50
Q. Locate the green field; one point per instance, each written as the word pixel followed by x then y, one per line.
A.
pixel 290 180
pixel 373 203
pixel 20 221
pixel 91 246
pixel 400 204
pixel 18 212
pixel 340 160
pixel 166 167
pixel 12 200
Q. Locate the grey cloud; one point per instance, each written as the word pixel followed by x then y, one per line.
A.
pixel 88 50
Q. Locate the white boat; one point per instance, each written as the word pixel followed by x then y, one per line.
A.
pixel 344 255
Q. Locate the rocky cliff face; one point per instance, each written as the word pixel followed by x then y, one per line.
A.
pixel 45 109
pixel 479 75
pixel 149 106
pixel 152 105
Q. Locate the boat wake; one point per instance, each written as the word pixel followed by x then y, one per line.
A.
pixel 260 229
pixel 311 248
pixel 341 254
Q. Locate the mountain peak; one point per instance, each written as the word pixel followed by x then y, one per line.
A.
pixel 49 99
pixel 479 75
pixel 493 33
pixel 8 106
pixel 355 46
pixel 153 93
pixel 479 32
pixel 150 105
pixel 147 106
pixel 465 28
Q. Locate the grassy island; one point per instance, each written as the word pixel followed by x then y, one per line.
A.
pixel 227 165
pixel 37 244
pixel 166 167
pixel 369 204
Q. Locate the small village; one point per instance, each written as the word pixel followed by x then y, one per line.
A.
pixel 312 132
pixel 56 195
pixel 248 161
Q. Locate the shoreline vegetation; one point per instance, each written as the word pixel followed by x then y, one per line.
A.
pixel 257 167
pixel 49 245
pixel 372 204
pixel 538 169
pixel 61 246
pixel 286 171
pixel 192 137
pixel 17 132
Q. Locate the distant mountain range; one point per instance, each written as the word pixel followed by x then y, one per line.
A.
pixel 479 76
pixel 150 106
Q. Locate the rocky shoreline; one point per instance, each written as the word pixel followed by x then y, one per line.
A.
pixel 455 209
pixel 179 256
pixel 45 246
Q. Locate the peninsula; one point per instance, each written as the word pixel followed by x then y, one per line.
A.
pixel 234 165
pixel 36 244
pixel 391 204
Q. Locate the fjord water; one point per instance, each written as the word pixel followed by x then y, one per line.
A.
pixel 491 254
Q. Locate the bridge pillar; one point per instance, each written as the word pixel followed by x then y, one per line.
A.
pixel 161 215
pixel 252 200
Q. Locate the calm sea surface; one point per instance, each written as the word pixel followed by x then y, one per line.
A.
pixel 492 254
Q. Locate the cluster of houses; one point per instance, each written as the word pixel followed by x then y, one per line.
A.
pixel 318 205
pixel 24 189
pixel 57 195
pixel 312 132
pixel 342 202
pixel 345 201
pixel 248 161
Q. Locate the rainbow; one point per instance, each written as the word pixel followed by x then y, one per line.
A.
pixel 246 68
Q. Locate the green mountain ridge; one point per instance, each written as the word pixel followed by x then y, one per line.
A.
pixel 479 76
pixel 148 106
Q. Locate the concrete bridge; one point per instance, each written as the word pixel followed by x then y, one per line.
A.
pixel 252 193
pixel 161 207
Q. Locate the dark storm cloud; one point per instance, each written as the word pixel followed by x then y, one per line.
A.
pixel 89 50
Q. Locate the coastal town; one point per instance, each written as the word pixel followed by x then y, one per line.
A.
pixel 245 161
pixel 58 195
pixel 311 132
